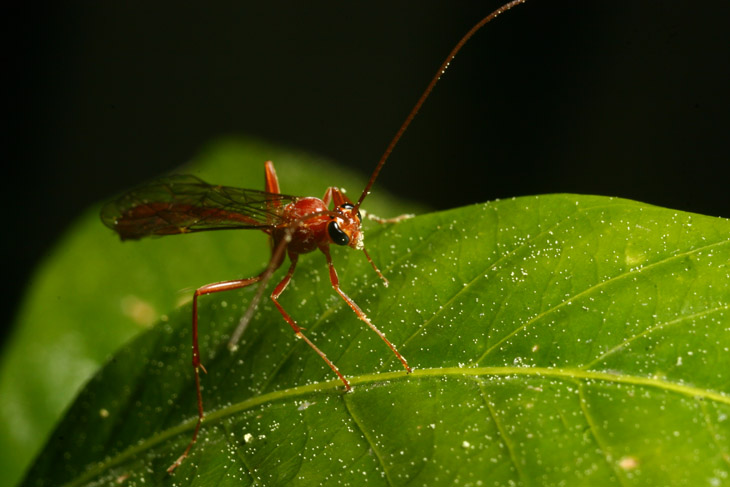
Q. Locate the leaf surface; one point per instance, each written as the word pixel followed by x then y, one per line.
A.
pixel 557 340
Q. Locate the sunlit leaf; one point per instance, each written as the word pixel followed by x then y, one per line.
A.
pixel 557 340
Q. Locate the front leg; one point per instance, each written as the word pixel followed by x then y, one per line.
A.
pixel 336 284
pixel 377 219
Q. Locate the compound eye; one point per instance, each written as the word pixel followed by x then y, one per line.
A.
pixel 348 206
pixel 336 234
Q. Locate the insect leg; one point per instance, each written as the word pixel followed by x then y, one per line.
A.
pixel 372 263
pixel 327 196
pixel 271 182
pixel 277 257
pixel 377 219
pixel 207 289
pixel 336 284
pixel 275 296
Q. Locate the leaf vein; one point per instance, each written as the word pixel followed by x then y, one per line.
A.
pixel 593 427
pixel 239 455
pixel 590 289
pixel 371 443
pixel 652 329
pixel 523 245
pixel 503 434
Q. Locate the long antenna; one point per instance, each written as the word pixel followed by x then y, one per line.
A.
pixel 427 92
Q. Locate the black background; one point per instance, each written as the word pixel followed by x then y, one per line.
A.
pixel 622 98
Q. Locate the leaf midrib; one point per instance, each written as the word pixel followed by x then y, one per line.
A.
pixel 365 379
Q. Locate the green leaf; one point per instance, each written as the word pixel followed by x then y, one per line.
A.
pixel 94 293
pixel 557 340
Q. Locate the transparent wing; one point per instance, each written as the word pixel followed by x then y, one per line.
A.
pixel 185 203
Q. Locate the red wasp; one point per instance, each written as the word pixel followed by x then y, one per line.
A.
pixel 295 225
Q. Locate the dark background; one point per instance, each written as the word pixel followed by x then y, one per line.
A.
pixel 622 98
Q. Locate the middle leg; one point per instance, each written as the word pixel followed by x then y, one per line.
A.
pixel 275 298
